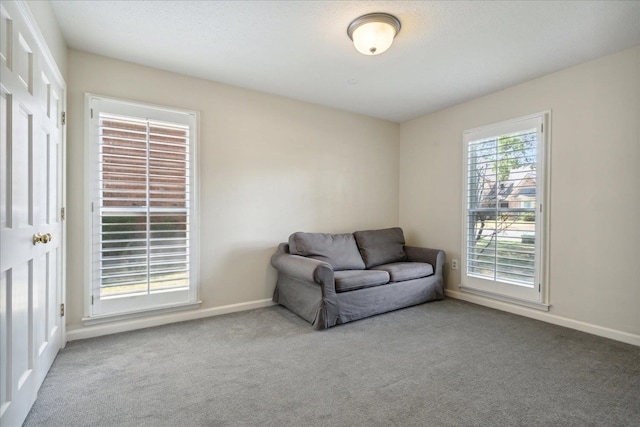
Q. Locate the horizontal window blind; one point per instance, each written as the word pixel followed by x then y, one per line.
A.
pixel 144 203
pixel 501 208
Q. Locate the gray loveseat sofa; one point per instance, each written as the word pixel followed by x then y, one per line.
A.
pixel 330 279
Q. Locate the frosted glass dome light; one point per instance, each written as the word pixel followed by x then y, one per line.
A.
pixel 373 34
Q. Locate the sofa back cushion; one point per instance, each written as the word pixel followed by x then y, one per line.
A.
pixel 379 247
pixel 339 250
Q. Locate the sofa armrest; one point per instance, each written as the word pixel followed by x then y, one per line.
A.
pixel 304 269
pixel 435 257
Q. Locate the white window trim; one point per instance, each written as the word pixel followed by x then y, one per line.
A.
pixel 542 243
pixel 193 302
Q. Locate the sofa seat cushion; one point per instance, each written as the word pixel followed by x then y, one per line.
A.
pixel 338 250
pixel 401 271
pixel 379 247
pixel 350 280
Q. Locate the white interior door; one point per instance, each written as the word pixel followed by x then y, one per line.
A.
pixel 31 167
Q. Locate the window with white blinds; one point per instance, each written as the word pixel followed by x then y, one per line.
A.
pixel 143 207
pixel 503 218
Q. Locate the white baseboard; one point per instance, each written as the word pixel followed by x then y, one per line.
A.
pixel 147 322
pixel 590 328
pixel 140 323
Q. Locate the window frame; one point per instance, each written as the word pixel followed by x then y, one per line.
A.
pixel 103 310
pixel 538 296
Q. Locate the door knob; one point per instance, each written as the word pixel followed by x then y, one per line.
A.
pixel 42 238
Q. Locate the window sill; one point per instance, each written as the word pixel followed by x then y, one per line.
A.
pixel 106 318
pixel 530 304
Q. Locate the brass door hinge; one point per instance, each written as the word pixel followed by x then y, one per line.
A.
pixel 64 117
pixel 61 310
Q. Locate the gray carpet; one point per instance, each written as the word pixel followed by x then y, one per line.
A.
pixel 445 363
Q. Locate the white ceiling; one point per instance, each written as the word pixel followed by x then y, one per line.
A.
pixel 446 52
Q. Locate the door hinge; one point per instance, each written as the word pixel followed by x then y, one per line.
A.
pixel 61 310
pixel 92 113
pixel 64 117
pixel 62 213
pixel 91 299
pixel 542 128
pixel 538 287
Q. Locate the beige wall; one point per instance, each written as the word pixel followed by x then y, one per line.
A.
pixel 595 183
pixel 269 166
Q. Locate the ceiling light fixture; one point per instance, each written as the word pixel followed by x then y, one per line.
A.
pixel 373 33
